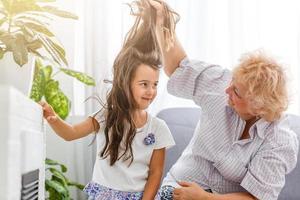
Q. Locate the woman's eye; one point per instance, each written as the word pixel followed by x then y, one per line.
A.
pixel 237 94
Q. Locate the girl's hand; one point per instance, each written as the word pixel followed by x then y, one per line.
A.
pixel 48 112
pixel 159 11
pixel 190 191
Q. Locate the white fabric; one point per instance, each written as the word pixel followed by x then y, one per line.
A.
pixel 122 176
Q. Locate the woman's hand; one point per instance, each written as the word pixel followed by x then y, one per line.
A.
pixel 48 112
pixel 159 11
pixel 190 191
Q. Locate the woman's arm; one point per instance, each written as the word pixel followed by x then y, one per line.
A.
pixel 155 174
pixel 65 130
pixel 172 56
pixel 192 191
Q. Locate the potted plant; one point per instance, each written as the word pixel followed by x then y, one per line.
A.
pixel 58 184
pixel 26 39
pixel 44 85
pixel 24 33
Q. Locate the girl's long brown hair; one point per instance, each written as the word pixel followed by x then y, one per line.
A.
pixel 140 47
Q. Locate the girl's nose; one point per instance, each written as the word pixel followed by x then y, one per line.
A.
pixel 151 90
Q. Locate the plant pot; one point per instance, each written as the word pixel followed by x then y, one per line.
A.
pixel 16 76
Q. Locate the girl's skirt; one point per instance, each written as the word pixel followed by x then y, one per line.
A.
pixel 96 191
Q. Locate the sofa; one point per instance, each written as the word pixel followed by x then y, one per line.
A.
pixel 182 122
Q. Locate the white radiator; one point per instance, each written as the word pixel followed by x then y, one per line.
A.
pixel 22 147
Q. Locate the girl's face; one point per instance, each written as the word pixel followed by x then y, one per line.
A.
pixel 144 86
pixel 237 100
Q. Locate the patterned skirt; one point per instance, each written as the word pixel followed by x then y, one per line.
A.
pixel 96 191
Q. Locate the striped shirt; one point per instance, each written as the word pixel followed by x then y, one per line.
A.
pixel 216 158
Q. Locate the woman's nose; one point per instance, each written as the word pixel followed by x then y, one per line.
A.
pixel 227 90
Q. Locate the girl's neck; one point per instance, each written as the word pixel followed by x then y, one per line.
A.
pixel 139 118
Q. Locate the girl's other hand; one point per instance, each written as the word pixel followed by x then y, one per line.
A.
pixel 48 112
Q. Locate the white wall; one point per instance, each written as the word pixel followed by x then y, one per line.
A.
pixel 77 155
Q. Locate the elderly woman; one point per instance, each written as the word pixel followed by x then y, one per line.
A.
pixel 243 146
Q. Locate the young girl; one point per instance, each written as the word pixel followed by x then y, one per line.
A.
pixel 130 142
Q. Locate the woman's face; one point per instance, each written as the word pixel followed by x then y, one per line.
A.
pixel 236 99
pixel 144 86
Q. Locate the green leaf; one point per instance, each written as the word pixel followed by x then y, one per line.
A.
pixel 57 186
pixel 29 35
pixel 37 54
pixel 36 14
pixel 2 11
pixel 45 1
pixel 47 72
pixel 37 27
pixel 60 13
pixel 19 50
pixel 60 179
pixel 5 4
pixel 59 176
pixel 53 162
pixel 1 53
pixel 50 50
pixel 3 20
pixel 22 19
pixel 88 80
pixel 34 45
pixel 59 50
pixel 57 99
pixel 14 7
pixel 53 195
pixel 8 40
pixel 38 86
pixel 77 185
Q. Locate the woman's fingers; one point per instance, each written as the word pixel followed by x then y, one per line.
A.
pixel 158 6
pixel 185 184
pixel 155 4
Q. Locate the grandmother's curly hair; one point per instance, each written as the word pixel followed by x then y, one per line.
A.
pixel 265 82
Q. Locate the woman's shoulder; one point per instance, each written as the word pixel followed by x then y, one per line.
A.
pixel 281 132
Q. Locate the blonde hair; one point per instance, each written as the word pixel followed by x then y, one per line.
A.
pixel 265 83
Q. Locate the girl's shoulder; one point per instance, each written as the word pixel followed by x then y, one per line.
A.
pixel 99 116
pixel 161 132
pixel 155 121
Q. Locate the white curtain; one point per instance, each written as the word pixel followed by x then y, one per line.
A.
pixel 215 31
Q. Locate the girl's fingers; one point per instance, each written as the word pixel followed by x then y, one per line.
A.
pixel 44 105
pixel 51 119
